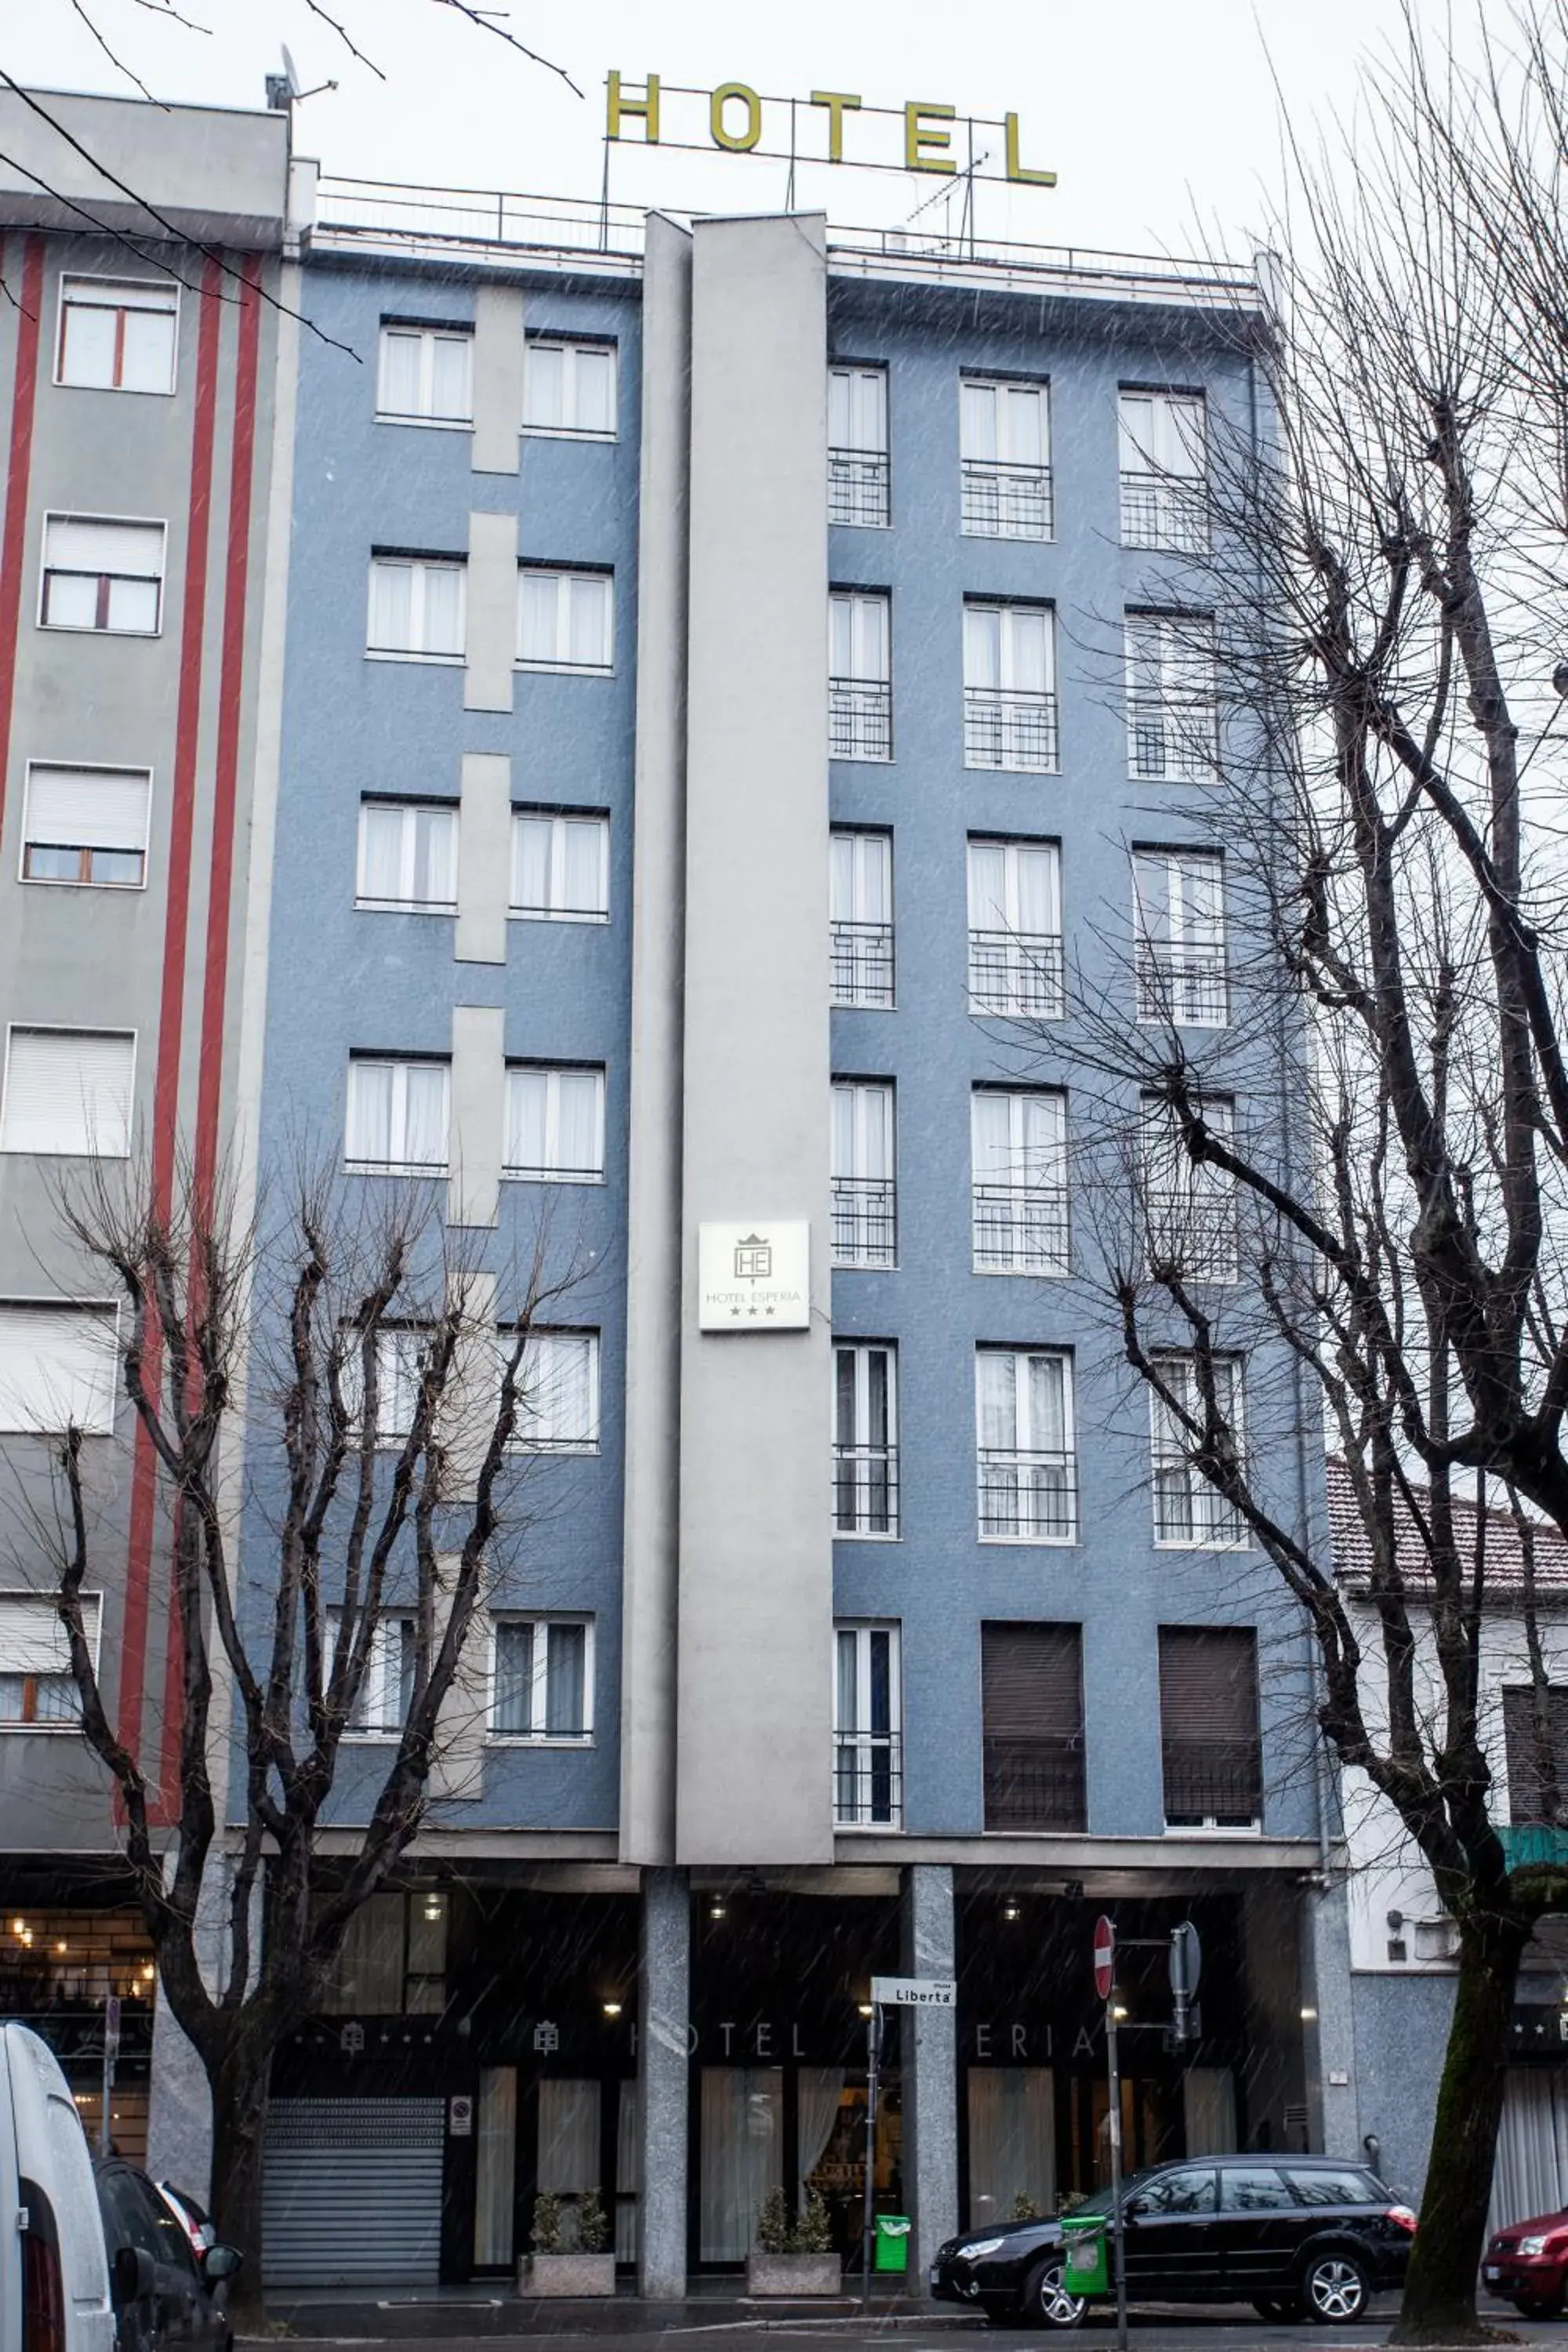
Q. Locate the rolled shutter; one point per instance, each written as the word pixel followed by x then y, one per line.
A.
pixel 1032 1688
pixel 32 1637
pixel 68 1091
pixel 132 549
pixel 57 1367
pixel 88 808
pixel 1208 1718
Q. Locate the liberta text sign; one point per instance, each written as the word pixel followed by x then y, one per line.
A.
pixel 928 136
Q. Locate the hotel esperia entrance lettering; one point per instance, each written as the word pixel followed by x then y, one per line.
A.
pixel 827 126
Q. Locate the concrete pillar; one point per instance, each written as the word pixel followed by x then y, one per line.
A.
pixel 928 2041
pixel 664 2008
pixel 1334 2100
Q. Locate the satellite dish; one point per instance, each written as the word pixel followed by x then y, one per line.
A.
pixel 291 71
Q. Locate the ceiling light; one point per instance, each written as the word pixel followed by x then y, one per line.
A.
pixel 612 2008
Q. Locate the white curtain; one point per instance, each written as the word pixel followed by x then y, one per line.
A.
pixel 424 1140
pixel 537 615
pixel 1012 2141
pixel 742 2156
pixel 594 389
pixel 381 853
pixel 496 2156
pixel 819 2090
pixel 400 371
pixel 568 2136
pixel 1209 2108
pixel 629 2173
pixel 544 376
pixel 589 607
pixel 1530 2173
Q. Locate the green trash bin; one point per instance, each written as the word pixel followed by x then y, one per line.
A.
pixel 892 2252
pixel 1087 2269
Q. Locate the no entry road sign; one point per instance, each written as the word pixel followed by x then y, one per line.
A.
pixel 1104 1956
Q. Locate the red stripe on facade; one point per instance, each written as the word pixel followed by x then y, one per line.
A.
pixel 18 470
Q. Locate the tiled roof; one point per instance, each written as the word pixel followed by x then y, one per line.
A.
pixel 1504 1566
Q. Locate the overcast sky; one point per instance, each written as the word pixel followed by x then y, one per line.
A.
pixel 1161 121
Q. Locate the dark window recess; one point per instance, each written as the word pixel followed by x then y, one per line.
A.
pixel 1529 1792
pixel 1208 1720
pixel 1032 1678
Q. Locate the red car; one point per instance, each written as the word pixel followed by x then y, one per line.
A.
pixel 1527 2264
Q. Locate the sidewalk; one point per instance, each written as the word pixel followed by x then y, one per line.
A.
pixel 414 2313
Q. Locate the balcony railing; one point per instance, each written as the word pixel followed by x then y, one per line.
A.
pixel 865 1221
pixel 1030 1496
pixel 1170 737
pixel 1184 985
pixel 1021 1228
pixel 1215 1783
pixel 862 965
pixel 859 718
pixel 857 488
pixel 1035 1784
pixel 1004 501
pixel 1160 510
pixel 868 1779
pixel 865 1490
pixel 1018 974
pixel 1188 1510
pixel 1008 728
pixel 1194 1232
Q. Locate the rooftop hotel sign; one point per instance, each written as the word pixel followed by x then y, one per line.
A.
pixel 828 126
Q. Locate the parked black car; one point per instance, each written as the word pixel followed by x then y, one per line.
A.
pixel 1293 2235
pixel 165 2297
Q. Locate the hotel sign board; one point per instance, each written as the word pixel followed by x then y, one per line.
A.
pixel 827 126
pixel 754 1275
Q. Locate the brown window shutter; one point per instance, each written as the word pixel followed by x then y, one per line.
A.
pixel 1208 1719
pixel 1032 1684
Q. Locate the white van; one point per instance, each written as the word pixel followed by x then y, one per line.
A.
pixel 56 2297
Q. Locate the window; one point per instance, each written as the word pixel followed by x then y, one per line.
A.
pixel 560 867
pixel 1321 2188
pixel 393 1959
pixel 565 619
pixel 868 1759
pixel 381 1707
pixel 117 334
pixel 427 374
pixel 408 857
pixel 37 1688
pixel 1009 687
pixel 865 1195
pixel 417 608
pixel 1164 439
pixel 569 387
pixel 1027 1473
pixel 865 1440
pixel 67 1092
pixel 1178 913
pixel 86 826
pixel 555 1124
pixel 1209 1724
pixel 860 918
pixel 398 1113
pixel 400 1349
pixel 1189 1206
pixel 1170 696
pixel 102 575
pixel 1188 1511
pixel 1180 2193
pixel 1006 456
pixel 1031 1681
pixel 542 1684
pixel 1016 963
pixel 1530 1798
pixel 860 675
pixel 58 1367
pixel 1258 2189
pixel 558 1392
pixel 858 445
pixel 1019 1181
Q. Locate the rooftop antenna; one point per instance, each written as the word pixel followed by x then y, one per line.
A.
pixel 283 88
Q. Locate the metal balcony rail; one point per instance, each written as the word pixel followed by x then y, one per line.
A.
pixel 1170 736
pixel 1188 1510
pixel 1213 1780
pixel 1007 501
pixel 1194 1230
pixel 859 718
pixel 1187 985
pixel 865 1221
pixel 1162 512
pixel 1008 728
pixel 1016 974
pixel 1021 1228
pixel 857 488
pixel 553 1175
pixel 865 1490
pixel 1035 1784
pixel 868 1779
pixel 862 965
pixel 1030 1495
pixel 379 211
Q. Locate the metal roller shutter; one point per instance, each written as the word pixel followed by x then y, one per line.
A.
pixel 352 2192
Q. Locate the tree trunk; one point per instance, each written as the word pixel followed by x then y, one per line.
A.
pixel 239 2120
pixel 1439 2305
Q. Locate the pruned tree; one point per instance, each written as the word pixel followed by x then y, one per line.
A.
pixel 1334 1162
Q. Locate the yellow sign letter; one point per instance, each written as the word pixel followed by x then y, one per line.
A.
pixel 920 132
pixel 736 142
pixel 836 101
pixel 1016 171
pixel 647 105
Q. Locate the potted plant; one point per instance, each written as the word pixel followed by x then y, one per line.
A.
pixel 565 2261
pixel 798 2262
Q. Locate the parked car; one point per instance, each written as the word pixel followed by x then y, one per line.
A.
pixel 57 2298
pixel 1527 2264
pixel 1296 2236
pixel 192 2216
pixel 178 2307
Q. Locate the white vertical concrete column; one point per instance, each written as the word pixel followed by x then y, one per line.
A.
pixel 484 858
pixel 492 612
pixel 457 1761
pixel 479 1114
pixel 929 2044
pixel 1333 2104
pixel 498 378
pixel 650 1542
pixel 663 2008
pixel 179 2104
pixel 756 1554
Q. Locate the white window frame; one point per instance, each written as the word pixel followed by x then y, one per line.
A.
pixel 570 346
pixel 1055 1183
pixel 860 698
pixel 531 1377
pixel 80 768
pixel 169 310
pixel 410 812
pixel 1188 691
pixel 872 1126
pixel 1167 1456
pixel 53 1727
pixel 540 1622
pixel 551 1172
pixel 418 567
pixel 1020 1358
pixel 368 1726
pixel 429 334
pixel 861 1446
pixel 46 571
pixel 66 1029
pixel 858 465
pixel 400 1065
pixel 558 820
pixel 107 1311
pixel 1022 963
pixel 1030 471
pixel 1198 1193
pixel 559 665
pixel 1171 532
pixel 866 1743
pixel 868 939
pixel 1174 964
pixel 1018 754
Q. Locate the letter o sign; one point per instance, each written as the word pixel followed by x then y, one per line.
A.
pixel 736 142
